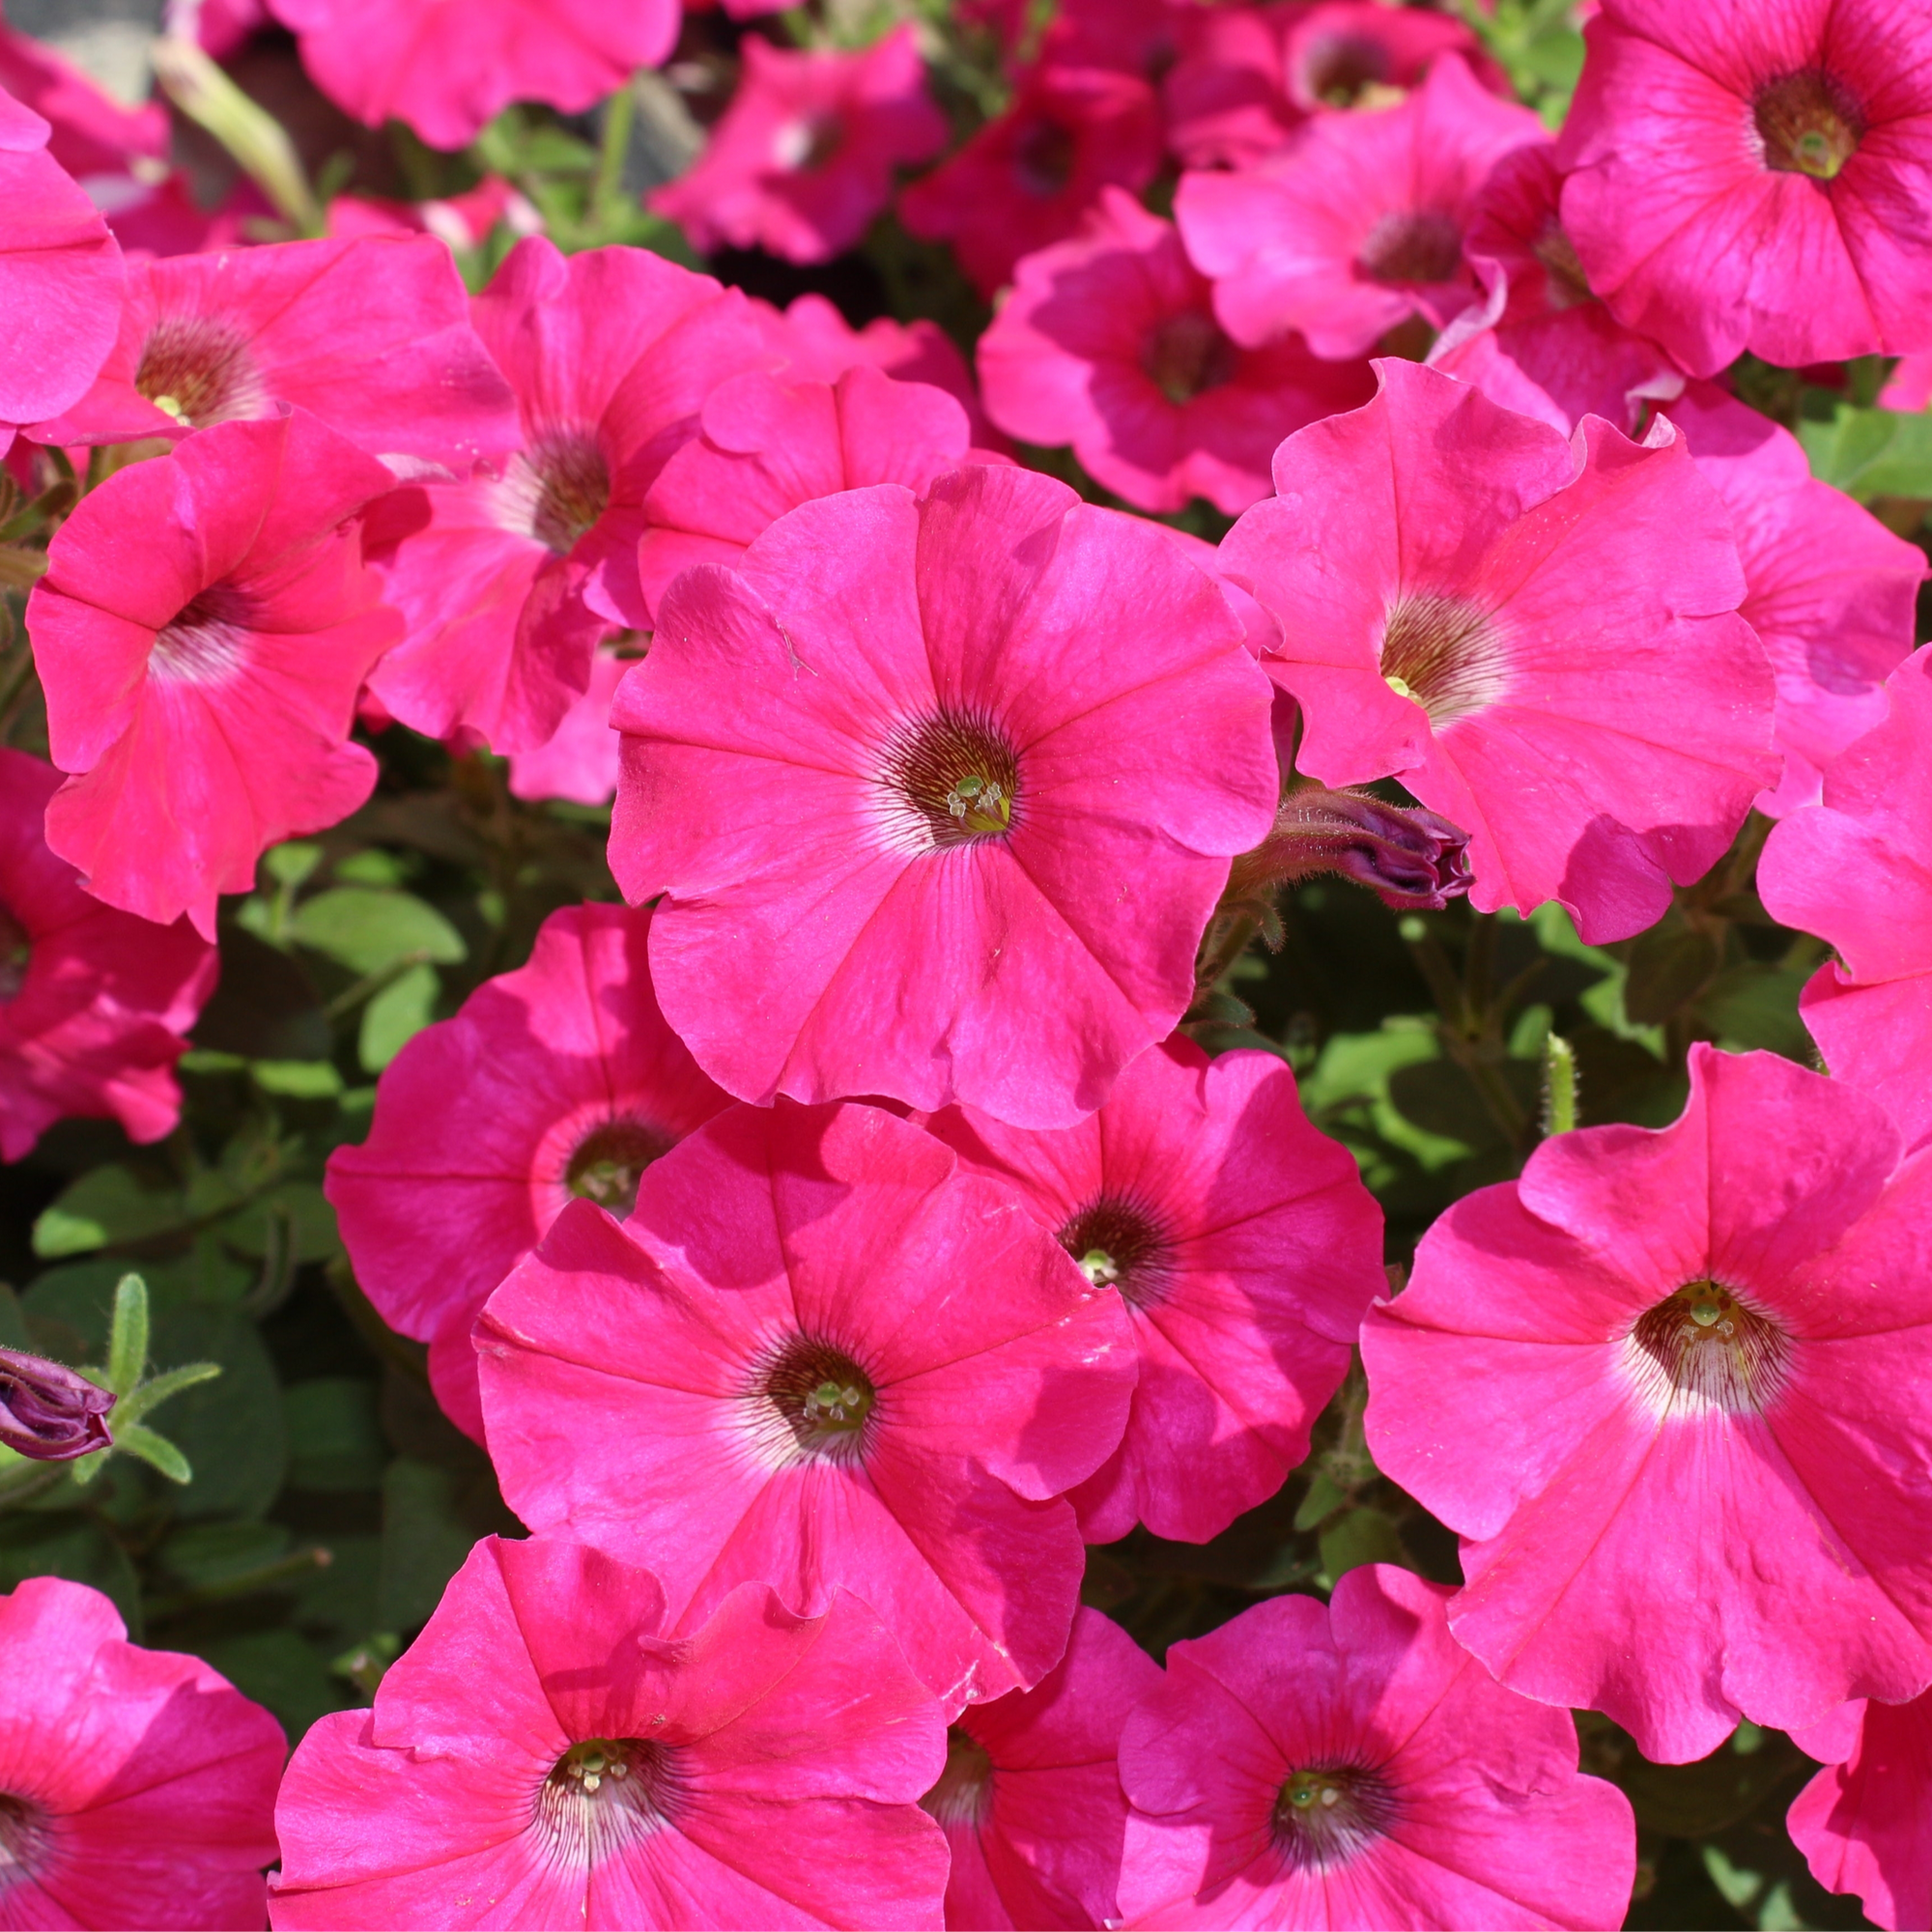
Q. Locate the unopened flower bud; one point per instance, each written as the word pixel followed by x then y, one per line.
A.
pixel 1410 858
pixel 48 1412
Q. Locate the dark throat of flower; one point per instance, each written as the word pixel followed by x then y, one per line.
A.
pixel 611 1159
pixel 1445 653
pixel 1704 1348
pixel 206 640
pixel 963 1797
pixel 812 1401
pixel 1415 245
pixel 1565 284
pixel 198 371
pixel 1120 1244
pixel 950 780
pixel 571 486
pixel 1326 1814
pixel 1338 70
pixel 24 1839
pixel 1188 354
pixel 1809 123
pixel 606 1793
pixel 16 954
pixel 1044 157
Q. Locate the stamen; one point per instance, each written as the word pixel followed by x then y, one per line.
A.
pixel 1339 68
pixel 610 1161
pixel 1326 1814
pixel 811 1400
pixel 952 780
pixel 1808 123
pixel 24 1839
pixel 555 490
pixel 1117 1243
pixel 1705 1347
pixel 198 370
pixel 604 1794
pixel 1444 653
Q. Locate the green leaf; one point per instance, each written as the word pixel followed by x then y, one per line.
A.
pixel 373 868
pixel 1871 453
pixel 12 1321
pixel 279 1668
pixel 204 1556
pixel 290 863
pixel 396 1015
pixel 128 1335
pixel 110 1204
pixel 1738 1888
pixel 1362 1536
pixel 1756 1005
pixel 426 1534
pixel 1667 969
pixel 298 1079
pixel 1325 1496
pixel 230 1429
pixel 304 1210
pixel 366 929
pixel 335 1443
pixel 66 1544
pixel 133 1438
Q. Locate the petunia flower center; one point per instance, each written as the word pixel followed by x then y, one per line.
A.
pixel 570 486
pixel 24 1839
pixel 952 779
pixel 206 640
pixel 16 954
pixel 807 142
pixel 605 1793
pixel 1412 244
pixel 1704 1346
pixel 1445 653
pixel 1565 284
pixel 1119 1244
pixel 964 1793
pixel 610 1161
pixel 1339 68
pixel 1809 123
pixel 199 371
pixel 1044 157
pixel 1187 355
pixel 822 1397
pixel 1325 1813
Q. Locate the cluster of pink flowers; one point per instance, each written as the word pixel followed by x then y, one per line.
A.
pixel 833 1240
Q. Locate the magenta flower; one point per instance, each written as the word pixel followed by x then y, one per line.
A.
pixel 1746 176
pixel 94 1002
pixel 372 337
pixel 1852 870
pixel 557 1080
pixel 91 134
pixel 1246 1250
pixel 1352 1766
pixel 1109 343
pixel 1030 1799
pixel 202 631
pixel 923 828
pixel 821 1357
pixel 1861 1823
pixel 1359 53
pixel 61 277
pixel 544 1754
pixel 1658 1355
pixel 1541 343
pixel 769 444
pixel 1541 637
pixel 1358 223
pixel 1026 180
pixel 1224 97
pixel 509 581
pixel 136 1786
pixel 1830 593
pixel 579 759
pixel 804 157
pixel 446 67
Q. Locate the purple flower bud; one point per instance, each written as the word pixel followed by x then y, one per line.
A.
pixel 1410 858
pixel 47 1411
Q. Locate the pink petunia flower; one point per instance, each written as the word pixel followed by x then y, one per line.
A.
pixel 556 1081
pixel 61 277
pixel 1352 1764
pixel 1909 387
pixel 1358 53
pixel 1026 180
pixel 821 1357
pixel 91 134
pixel 136 1786
pixel 1754 174
pixel 1830 593
pixel 1109 343
pixel 1358 223
pixel 1030 1799
pixel 1625 1378
pixel 446 67
pixel 463 221
pixel 1225 99
pixel 1539 635
pixel 1246 1250
pixel 1861 1823
pixel 923 828
pixel 1850 869
pixel 545 1754
pixel 769 444
pixel 804 157
pixel 1541 343
pixel 579 761
pixel 372 337
pixel 202 631
pixel 509 581
pixel 94 1002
